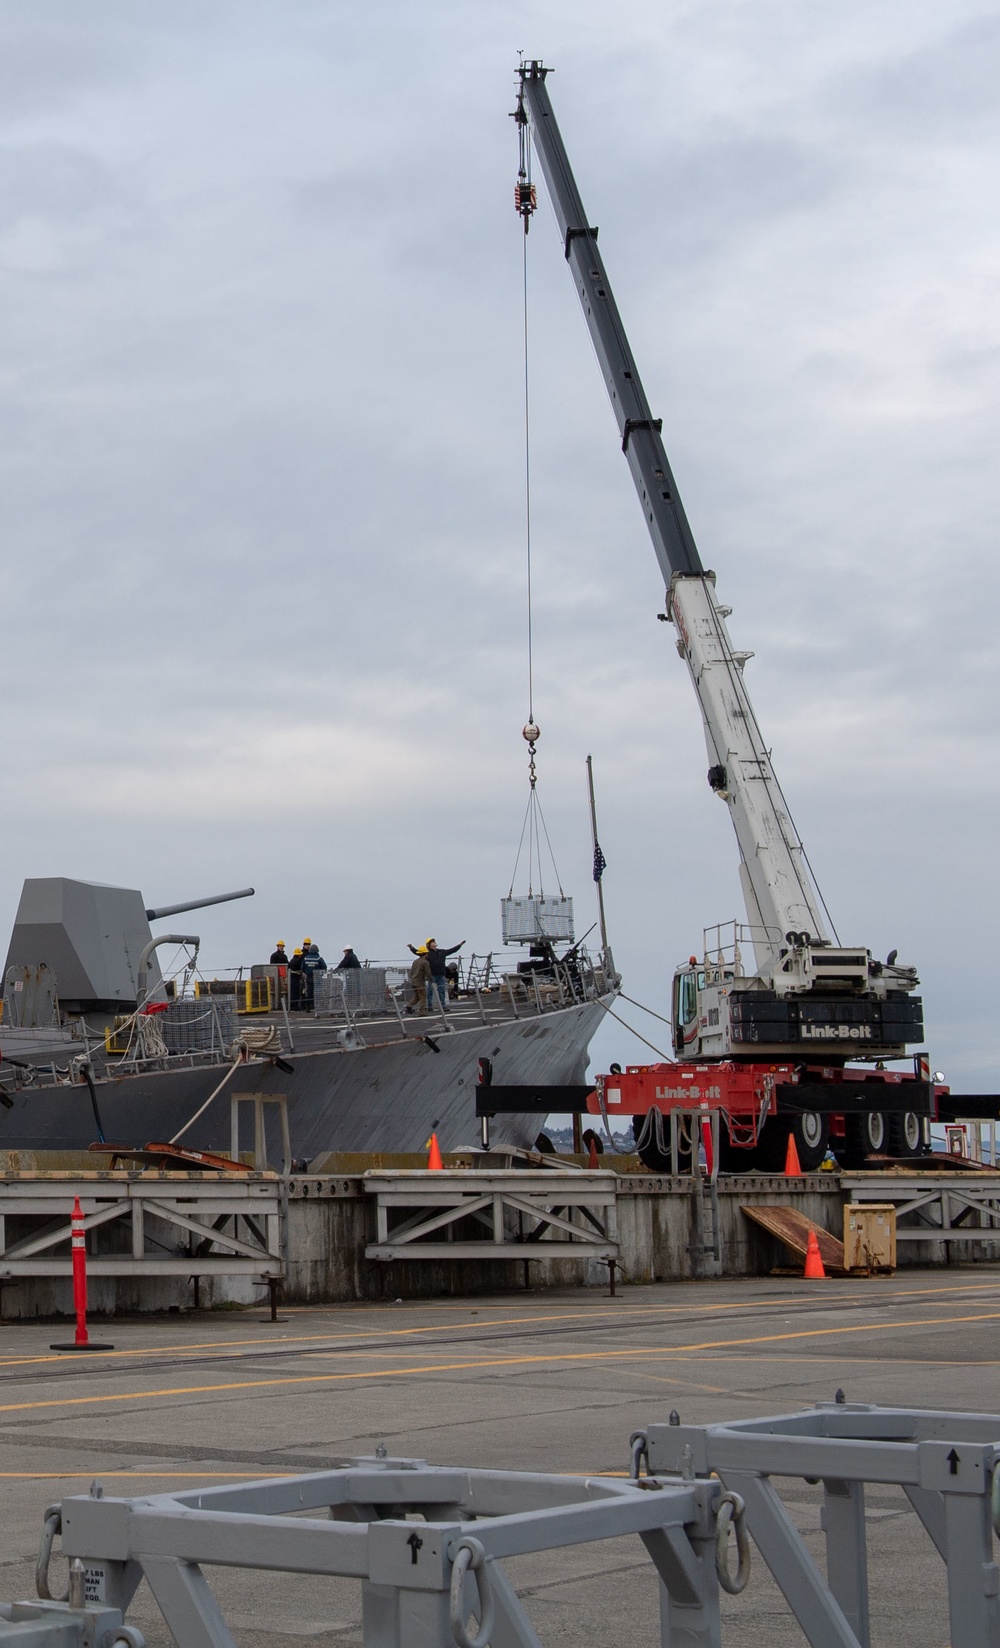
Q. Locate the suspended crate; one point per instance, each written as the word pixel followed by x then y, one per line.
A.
pixel 531 917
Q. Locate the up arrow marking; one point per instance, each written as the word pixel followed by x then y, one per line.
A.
pixel 952 1459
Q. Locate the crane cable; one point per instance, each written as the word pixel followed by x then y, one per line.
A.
pixel 534 826
pixel 525 202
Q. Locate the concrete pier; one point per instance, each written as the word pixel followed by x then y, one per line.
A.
pixel 328 1222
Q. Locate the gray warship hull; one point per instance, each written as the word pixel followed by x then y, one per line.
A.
pixel 80 1063
pixel 386 1096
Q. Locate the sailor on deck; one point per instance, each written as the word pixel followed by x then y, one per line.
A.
pixel 295 973
pixel 437 960
pixel 312 963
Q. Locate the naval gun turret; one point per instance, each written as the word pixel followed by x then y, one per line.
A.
pixel 87 941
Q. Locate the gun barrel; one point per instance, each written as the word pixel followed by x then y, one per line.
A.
pixel 197 904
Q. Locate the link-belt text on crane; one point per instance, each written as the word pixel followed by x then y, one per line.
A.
pixel 836 1032
pixel 692 1092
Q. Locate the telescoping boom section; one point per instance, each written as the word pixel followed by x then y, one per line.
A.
pixel 781 983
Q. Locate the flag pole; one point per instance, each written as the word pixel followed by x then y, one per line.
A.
pixel 599 860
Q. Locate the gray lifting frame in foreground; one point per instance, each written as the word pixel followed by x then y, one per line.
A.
pixel 426 1543
pixel 946 1464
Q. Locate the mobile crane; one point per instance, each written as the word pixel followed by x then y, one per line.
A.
pixel 763 1041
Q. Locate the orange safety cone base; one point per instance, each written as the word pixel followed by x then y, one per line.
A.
pixel 593 1160
pixel 793 1169
pixel 434 1162
pixel 814 1271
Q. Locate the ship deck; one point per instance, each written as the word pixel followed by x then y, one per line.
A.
pixel 312 1033
pixel 49 1050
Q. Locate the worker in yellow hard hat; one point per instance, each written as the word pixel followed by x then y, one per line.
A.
pixel 295 982
pixel 420 978
pixel 437 961
pixel 279 983
pixel 312 964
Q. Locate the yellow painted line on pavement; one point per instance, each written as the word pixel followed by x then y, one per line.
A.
pixel 490 1362
pixel 235 1347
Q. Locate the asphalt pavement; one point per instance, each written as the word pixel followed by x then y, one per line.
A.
pixel 534 1381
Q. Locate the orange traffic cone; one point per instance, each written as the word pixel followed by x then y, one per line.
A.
pixel 814 1271
pixel 593 1160
pixel 434 1154
pixel 793 1169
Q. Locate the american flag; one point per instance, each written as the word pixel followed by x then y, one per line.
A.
pixel 600 862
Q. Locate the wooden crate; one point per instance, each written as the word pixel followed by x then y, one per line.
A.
pixel 869 1236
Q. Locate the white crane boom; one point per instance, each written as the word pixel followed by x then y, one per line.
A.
pixel 853 998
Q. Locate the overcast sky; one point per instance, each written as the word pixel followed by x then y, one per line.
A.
pixel 262 453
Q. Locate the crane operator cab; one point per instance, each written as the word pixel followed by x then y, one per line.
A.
pixel 817 1002
pixel 689 981
pixel 700 1017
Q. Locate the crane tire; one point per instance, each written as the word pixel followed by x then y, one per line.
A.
pixel 734 1158
pixel 905 1134
pixel 864 1135
pixel 810 1132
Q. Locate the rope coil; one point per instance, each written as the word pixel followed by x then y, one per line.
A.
pixel 469 1553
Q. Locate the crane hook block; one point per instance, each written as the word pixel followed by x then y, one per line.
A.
pixel 525 197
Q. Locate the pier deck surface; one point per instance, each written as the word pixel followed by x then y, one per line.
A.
pixel 552 1383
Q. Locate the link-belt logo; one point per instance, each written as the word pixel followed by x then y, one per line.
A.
pixel 836 1032
pixel 692 1092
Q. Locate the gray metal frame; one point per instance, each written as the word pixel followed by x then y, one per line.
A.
pixel 935 1207
pixel 239 1219
pixel 259 1100
pixel 944 1462
pixel 426 1543
pixel 573 1215
pixel 61 1625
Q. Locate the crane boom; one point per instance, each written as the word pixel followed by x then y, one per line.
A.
pixel 672 537
pixel 778 889
pixel 852 997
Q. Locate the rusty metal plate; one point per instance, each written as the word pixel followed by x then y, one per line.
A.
pixel 792 1229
